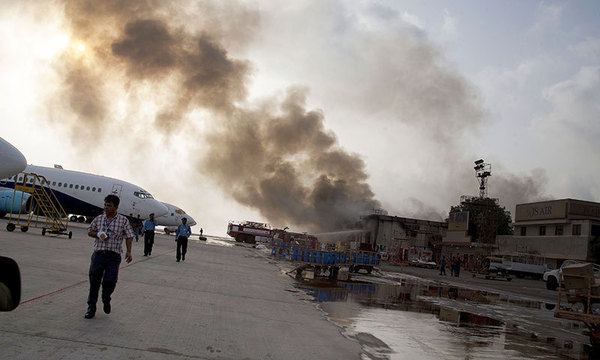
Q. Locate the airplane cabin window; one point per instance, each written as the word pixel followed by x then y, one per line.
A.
pixel 94 189
pixel 77 187
pixel 54 183
pixel 99 189
pixel 59 184
pixel 88 188
pixel 70 186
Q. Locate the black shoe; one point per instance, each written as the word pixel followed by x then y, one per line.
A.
pixel 177 260
pixel 90 313
pixel 182 259
pixel 106 308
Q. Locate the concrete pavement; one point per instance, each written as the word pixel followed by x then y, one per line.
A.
pixel 221 303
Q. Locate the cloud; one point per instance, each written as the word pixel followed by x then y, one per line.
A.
pixel 568 134
pixel 576 105
pixel 548 18
pixel 588 50
pixel 450 22
pixel 412 19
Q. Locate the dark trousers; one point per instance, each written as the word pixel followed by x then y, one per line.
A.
pixel 148 242
pixel 443 270
pixel 182 242
pixel 104 270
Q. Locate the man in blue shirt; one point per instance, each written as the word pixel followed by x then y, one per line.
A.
pixel 148 231
pixel 181 237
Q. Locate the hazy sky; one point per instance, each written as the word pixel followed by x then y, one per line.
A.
pixel 309 113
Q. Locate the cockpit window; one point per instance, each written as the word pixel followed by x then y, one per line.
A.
pixel 142 195
pixel 180 212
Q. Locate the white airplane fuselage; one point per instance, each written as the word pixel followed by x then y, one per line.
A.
pixel 173 216
pixel 83 193
pixel 11 160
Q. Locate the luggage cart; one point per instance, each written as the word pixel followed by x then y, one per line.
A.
pixel 321 261
pixel 579 300
pixel 45 211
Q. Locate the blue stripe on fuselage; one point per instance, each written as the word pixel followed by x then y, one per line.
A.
pixel 70 204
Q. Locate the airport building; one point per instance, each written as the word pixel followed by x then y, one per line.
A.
pixel 413 238
pixel 557 230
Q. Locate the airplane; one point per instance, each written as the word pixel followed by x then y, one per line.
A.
pixel 81 193
pixel 173 217
pixel 12 161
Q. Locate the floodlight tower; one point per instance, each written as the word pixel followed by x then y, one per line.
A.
pixel 482 172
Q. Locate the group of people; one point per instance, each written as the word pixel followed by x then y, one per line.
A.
pixel 454 266
pixel 109 230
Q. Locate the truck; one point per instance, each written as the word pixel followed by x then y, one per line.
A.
pixel 522 265
pixel 250 232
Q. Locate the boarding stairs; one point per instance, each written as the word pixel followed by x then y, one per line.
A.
pixel 46 211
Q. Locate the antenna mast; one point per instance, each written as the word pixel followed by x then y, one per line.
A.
pixel 482 172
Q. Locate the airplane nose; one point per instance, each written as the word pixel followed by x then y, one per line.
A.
pixel 190 220
pixel 159 209
pixel 13 161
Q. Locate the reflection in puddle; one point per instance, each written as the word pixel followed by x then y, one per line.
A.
pixel 414 319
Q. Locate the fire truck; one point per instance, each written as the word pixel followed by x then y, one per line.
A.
pixel 250 231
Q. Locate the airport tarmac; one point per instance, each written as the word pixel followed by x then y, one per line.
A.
pixel 223 302
pixel 231 301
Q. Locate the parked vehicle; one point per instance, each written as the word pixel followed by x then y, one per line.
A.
pixel 552 277
pixel 492 268
pixel 522 265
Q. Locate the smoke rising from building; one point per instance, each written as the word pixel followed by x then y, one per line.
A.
pixel 274 155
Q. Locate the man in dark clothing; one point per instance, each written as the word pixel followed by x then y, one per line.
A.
pixel 181 237
pixel 443 266
pixel 148 231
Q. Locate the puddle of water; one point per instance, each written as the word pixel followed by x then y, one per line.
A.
pixel 410 318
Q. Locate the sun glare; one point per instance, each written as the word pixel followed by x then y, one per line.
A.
pixel 80 47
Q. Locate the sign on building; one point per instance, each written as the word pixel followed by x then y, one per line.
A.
pixel 458 221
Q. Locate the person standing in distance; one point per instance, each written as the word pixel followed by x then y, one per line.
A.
pixel 148 231
pixel 181 237
pixel 108 230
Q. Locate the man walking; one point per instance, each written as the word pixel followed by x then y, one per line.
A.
pixel 181 236
pixel 108 230
pixel 148 231
pixel 443 266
